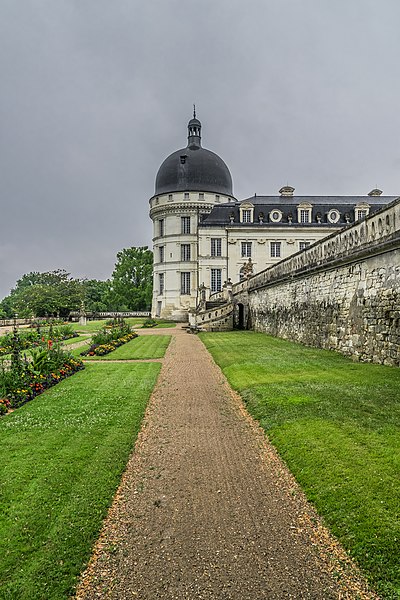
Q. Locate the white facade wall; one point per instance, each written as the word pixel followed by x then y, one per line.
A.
pixel 171 303
pixel 260 237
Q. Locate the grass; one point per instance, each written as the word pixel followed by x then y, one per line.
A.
pixel 92 326
pixel 165 324
pixel 62 456
pixel 336 423
pixel 142 347
pixel 74 340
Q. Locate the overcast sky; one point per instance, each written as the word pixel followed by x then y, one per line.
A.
pixel 96 93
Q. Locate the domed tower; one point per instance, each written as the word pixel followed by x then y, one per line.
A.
pixel 188 184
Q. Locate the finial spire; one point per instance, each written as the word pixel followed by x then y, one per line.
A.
pixel 194 111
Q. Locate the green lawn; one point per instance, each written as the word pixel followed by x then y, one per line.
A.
pixel 144 346
pixel 74 340
pixel 336 423
pixel 164 325
pixel 62 456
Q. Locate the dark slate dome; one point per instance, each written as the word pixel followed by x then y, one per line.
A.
pixel 194 168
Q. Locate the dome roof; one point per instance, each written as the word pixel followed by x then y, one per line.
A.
pixel 194 168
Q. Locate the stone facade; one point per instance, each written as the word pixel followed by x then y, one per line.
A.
pixel 343 293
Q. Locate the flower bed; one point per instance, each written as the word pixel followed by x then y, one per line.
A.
pixel 36 338
pixel 30 384
pixel 22 379
pixel 103 349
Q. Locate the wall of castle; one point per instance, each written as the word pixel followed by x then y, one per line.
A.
pixel 343 293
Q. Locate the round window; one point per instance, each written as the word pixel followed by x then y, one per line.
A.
pixel 275 216
pixel 333 216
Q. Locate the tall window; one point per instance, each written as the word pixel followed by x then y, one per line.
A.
pixel 185 283
pixel 161 253
pixel 276 249
pixel 161 281
pixel 185 252
pixel 246 215
pixel 161 228
pixel 216 284
pixel 246 249
pixel 304 215
pixel 185 224
pixel 216 247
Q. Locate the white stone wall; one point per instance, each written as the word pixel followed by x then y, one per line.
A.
pixel 171 304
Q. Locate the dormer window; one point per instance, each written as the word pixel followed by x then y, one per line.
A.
pixel 361 211
pixel 275 215
pixel 304 213
pixel 246 213
pixel 333 215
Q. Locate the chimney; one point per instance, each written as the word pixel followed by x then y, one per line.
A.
pixel 287 191
pixel 375 192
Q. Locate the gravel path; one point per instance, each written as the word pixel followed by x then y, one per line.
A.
pixel 206 509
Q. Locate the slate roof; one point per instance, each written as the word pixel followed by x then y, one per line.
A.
pixel 321 205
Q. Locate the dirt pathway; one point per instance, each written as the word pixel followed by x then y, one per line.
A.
pixel 206 509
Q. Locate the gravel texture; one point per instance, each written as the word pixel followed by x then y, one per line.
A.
pixel 206 509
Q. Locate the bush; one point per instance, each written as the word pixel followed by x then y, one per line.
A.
pixel 149 323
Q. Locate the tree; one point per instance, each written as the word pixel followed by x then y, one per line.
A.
pixel 44 294
pixel 96 295
pixel 132 279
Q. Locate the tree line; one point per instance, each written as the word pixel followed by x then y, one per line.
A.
pixel 57 293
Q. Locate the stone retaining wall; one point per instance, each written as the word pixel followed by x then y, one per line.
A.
pixel 342 293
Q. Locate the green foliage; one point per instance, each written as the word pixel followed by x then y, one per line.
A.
pixel 23 379
pixel 149 323
pixel 337 425
pixel 142 347
pixel 44 294
pixel 132 279
pixel 62 460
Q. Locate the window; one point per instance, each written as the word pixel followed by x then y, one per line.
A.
pixel 361 213
pixel 186 196
pixel 246 211
pixel 275 249
pixel 161 283
pixel 185 224
pixel 161 228
pixel 333 216
pixel 201 196
pixel 170 197
pixel 303 245
pixel 185 252
pixel 216 247
pixel 161 253
pixel 275 216
pixel 304 215
pixel 246 216
pixel 246 249
pixel 185 284
pixel 216 198
pixel 216 283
